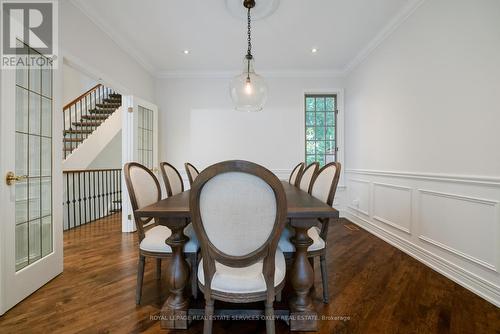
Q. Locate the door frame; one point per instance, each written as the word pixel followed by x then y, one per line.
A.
pixel 129 149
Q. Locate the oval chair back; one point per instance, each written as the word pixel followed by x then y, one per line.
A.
pixel 143 189
pixel 192 172
pixel 324 187
pixel 172 179
pixel 294 176
pixel 306 177
pixel 238 209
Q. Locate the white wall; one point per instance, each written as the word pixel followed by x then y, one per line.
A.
pixel 84 44
pixel 422 134
pixel 110 156
pixel 198 123
pixel 75 83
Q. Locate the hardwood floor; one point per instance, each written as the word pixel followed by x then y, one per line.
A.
pixel 377 288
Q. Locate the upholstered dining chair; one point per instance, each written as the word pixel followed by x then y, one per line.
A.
pixel 306 176
pixel 294 176
pixel 144 189
pixel 323 187
pixel 171 178
pixel 238 210
pixel 191 171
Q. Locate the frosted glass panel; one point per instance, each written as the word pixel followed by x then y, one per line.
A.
pixel 46 235
pixel 46 156
pixel 21 245
pixel 145 136
pixel 46 117
pixel 35 240
pixel 34 198
pixel 34 156
pixel 46 198
pixel 35 112
pixel 21 202
pixel 21 154
pixel 21 109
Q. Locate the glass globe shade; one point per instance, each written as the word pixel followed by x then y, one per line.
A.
pixel 248 90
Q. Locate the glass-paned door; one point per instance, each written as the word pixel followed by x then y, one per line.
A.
pixel 140 144
pixel 145 132
pixel 33 164
pixel 31 253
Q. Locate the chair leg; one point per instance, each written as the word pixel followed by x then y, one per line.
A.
pixel 194 276
pixel 324 278
pixel 140 277
pixel 209 313
pixel 158 269
pixel 269 318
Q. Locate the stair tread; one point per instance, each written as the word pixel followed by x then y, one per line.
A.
pixel 86 124
pixel 72 140
pixel 77 131
pixel 94 117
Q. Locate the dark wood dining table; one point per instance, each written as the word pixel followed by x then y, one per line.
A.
pixel 303 210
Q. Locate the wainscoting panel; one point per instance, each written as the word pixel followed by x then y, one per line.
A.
pixel 359 196
pixel 392 206
pixel 450 223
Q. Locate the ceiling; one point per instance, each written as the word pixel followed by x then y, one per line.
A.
pixel 156 33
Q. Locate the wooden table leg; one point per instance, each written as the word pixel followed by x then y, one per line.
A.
pixel 174 311
pixel 303 316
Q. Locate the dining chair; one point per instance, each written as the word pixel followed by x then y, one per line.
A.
pixel 294 176
pixel 323 187
pixel 239 210
pixel 191 171
pixel 144 189
pixel 306 176
pixel 172 179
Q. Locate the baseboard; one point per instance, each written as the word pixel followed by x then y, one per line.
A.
pixel 484 289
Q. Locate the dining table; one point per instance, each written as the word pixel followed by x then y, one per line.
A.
pixel 303 211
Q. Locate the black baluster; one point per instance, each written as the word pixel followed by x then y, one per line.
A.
pixel 79 199
pixel 67 200
pixel 85 197
pixel 93 190
pixel 74 200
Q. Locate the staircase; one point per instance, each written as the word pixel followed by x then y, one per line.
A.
pixel 86 113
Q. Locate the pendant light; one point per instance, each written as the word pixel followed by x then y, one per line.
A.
pixel 248 90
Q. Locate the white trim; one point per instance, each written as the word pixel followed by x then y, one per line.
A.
pixel 454 178
pixel 133 52
pixel 383 34
pixel 142 59
pixel 458 253
pixel 483 288
pixel 223 74
pixel 478 200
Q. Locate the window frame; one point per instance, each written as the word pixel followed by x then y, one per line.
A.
pixel 336 127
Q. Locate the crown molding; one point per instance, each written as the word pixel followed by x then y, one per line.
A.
pixel 96 18
pixel 383 34
pixel 268 74
pixel 138 56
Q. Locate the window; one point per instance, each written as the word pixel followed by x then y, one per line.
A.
pixel 145 137
pixel 321 128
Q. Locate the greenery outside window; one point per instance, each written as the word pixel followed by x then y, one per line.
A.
pixel 321 128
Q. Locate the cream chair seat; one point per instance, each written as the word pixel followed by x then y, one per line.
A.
pixel 288 247
pixel 154 240
pixel 244 280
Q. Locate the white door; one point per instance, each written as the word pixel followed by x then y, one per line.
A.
pixel 139 144
pixel 31 224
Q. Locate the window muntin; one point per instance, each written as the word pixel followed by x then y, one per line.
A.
pixel 321 128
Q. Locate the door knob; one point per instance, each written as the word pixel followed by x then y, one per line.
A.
pixel 11 178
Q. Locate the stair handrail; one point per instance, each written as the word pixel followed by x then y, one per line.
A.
pixel 68 105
